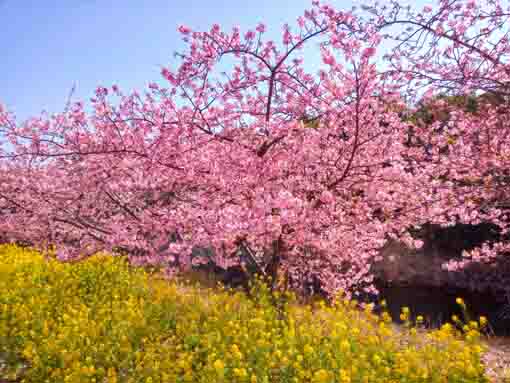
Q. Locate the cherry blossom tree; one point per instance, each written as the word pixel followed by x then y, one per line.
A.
pixel 309 174
pixel 460 49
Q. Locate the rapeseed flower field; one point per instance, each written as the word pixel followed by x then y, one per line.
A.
pixel 101 320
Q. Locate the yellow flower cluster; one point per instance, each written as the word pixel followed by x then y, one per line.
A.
pixel 102 321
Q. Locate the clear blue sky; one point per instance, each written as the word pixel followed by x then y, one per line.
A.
pixel 48 45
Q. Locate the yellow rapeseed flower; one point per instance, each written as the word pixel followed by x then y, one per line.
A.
pixel 103 313
pixel 320 376
pixel 219 366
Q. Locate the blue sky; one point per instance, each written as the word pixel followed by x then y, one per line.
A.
pixel 48 45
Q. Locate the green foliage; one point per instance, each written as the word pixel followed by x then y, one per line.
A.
pixel 428 112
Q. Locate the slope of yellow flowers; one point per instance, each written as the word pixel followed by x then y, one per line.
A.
pixel 102 321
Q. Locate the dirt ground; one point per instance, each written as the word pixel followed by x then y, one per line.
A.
pixel 497 359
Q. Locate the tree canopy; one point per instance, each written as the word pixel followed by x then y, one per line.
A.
pixel 310 173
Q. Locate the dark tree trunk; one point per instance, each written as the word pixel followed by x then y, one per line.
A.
pixel 273 266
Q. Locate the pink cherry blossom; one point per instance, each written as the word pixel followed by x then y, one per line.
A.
pixel 310 173
pixel 184 30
